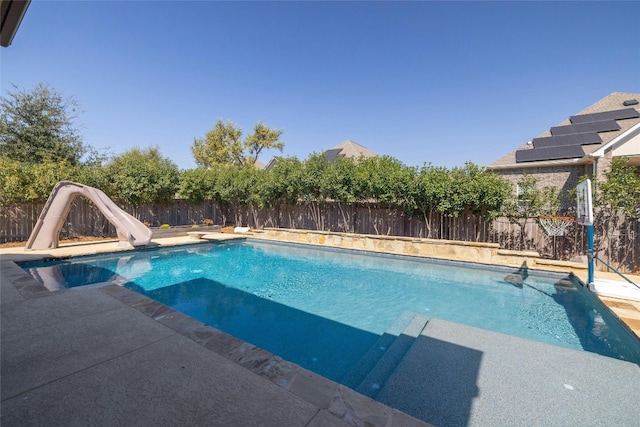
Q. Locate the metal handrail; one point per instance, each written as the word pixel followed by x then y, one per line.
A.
pixel 617 272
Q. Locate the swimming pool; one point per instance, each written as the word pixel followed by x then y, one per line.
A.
pixel 324 309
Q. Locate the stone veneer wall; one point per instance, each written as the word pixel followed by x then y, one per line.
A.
pixel 483 253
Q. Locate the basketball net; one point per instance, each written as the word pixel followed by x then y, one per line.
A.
pixel 555 225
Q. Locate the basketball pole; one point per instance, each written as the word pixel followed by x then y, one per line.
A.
pixel 584 213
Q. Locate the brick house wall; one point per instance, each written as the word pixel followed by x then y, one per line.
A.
pixel 564 178
pixel 603 166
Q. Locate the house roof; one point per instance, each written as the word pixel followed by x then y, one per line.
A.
pixel 574 139
pixel 11 14
pixel 348 148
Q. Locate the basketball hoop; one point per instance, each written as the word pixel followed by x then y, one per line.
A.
pixel 555 225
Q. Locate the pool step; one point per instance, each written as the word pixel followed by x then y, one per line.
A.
pixel 377 350
pixel 387 364
pixel 368 361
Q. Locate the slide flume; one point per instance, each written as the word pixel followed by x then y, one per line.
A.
pixel 45 234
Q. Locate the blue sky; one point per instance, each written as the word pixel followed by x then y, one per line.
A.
pixel 438 82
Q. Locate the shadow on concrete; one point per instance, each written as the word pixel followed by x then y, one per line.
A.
pixel 321 345
pixel 436 382
pixel 20 255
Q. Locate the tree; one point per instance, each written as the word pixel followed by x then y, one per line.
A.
pixel 282 183
pixel 232 187
pixel 383 180
pixel 93 172
pixel 313 186
pixel 484 192
pixel 430 193
pixel 15 182
pixel 262 138
pixel 340 184
pixel 530 202
pixel 246 192
pixel 26 182
pixel 142 176
pixel 48 173
pixel 474 190
pixel 223 145
pixel 618 200
pixel 37 125
pixel 195 185
pixel 620 191
pixel 198 185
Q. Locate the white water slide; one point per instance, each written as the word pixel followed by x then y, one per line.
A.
pixel 45 234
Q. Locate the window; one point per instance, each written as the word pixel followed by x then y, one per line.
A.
pixel 525 193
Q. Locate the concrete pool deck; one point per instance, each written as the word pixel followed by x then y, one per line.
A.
pixel 108 356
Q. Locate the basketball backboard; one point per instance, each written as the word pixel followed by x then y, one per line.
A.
pixel 584 207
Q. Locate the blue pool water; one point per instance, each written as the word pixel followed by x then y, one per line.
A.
pixel 323 309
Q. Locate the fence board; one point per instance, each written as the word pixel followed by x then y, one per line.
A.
pixel 85 219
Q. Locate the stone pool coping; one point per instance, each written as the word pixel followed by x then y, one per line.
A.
pixel 315 400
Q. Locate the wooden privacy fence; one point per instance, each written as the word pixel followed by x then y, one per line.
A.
pixel 619 247
pixel 85 219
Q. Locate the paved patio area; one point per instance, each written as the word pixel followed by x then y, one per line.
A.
pixel 104 355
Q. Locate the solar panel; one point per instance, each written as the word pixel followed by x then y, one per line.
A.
pixel 625 113
pixel 602 126
pixel 549 153
pixel 566 142
pixel 571 139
